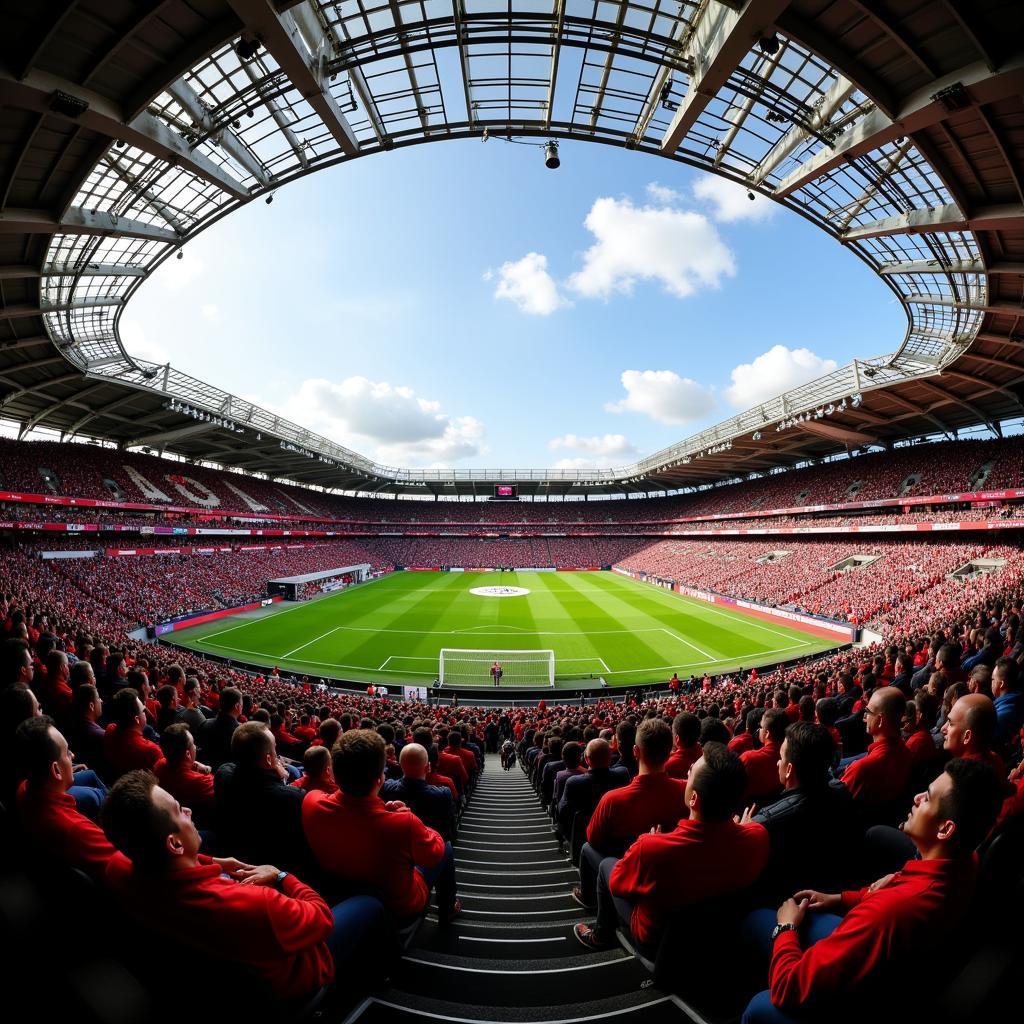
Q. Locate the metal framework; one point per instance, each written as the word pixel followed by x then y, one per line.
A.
pixel 901 138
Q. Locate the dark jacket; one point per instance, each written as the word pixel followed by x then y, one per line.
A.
pixel 214 740
pixel 812 839
pixel 433 805
pixel 583 792
pixel 259 819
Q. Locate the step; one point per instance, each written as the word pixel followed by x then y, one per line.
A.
pixel 540 941
pixel 537 982
pixel 643 1007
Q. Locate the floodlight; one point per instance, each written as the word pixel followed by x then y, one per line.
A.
pixel 551 161
pixel 769 45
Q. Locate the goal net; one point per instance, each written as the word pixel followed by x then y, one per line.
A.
pixel 461 667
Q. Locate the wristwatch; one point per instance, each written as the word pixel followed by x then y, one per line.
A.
pixel 282 875
pixel 780 928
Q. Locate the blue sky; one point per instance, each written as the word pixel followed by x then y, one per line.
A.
pixel 461 305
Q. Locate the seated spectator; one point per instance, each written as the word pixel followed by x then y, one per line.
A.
pixel 744 740
pixel 824 965
pixel 456 748
pixel 327 733
pixel 880 776
pixel 317 771
pixel 124 746
pixel 583 793
pixel 189 781
pixel 214 737
pixel 920 720
pixel 431 804
pixel 259 815
pixel 548 768
pixel 810 825
pixel 452 765
pixel 762 765
pixel 625 744
pixel 259 916
pixel 970 729
pixel 1009 701
pixel 191 711
pixel 85 733
pixel 167 711
pixel 705 856
pixel 46 810
pixel 651 800
pixel 572 759
pixel 361 841
pixel 17 703
pixel 52 689
pixel 686 748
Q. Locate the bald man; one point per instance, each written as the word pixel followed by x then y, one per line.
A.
pixel 581 793
pixel 433 805
pixel 881 776
pixel 970 729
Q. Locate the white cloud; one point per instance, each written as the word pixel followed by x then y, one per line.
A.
pixel 679 248
pixel 138 344
pixel 664 396
pixel 773 372
pixel 404 428
pixel 605 445
pixel 662 194
pixel 731 201
pixel 528 284
pixel 581 462
pixel 211 312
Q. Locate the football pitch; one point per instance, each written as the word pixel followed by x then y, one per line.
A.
pixel 599 624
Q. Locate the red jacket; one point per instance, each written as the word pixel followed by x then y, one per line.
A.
pixel 916 910
pixel 762 770
pixel 742 743
pixel 280 934
pixel 881 775
pixel 358 839
pixel 453 766
pixel 436 779
pixel 55 826
pixel 696 861
pixel 190 788
pixel 467 756
pixel 626 812
pixel 311 785
pixel 921 746
pixel 681 761
pixel 126 749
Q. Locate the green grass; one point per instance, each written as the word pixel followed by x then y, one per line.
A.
pixel 598 624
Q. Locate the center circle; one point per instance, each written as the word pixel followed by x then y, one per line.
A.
pixel 499 591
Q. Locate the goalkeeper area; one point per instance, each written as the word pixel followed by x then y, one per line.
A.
pixel 599 625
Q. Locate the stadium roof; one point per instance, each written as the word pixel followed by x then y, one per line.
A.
pixel 898 128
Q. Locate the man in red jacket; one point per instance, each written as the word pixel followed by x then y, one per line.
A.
pixel 762 765
pixel 358 839
pixel 45 808
pixel 124 746
pixel 685 745
pixel 705 856
pixel 186 779
pixel 258 916
pixel 651 799
pixel 825 964
pixel 880 776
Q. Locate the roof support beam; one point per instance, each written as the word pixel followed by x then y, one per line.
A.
pixel 296 42
pixel 918 410
pixel 558 10
pixel 15 346
pixel 998 306
pixel 720 40
pixel 77 221
pixel 1015 398
pixel 920 111
pixel 104 411
pixel 942 219
pixel 90 270
pixel 144 132
pixel 957 267
pixel 221 135
pixel 957 400
pixel 153 201
pixel 49 410
pixel 162 437
pixel 830 105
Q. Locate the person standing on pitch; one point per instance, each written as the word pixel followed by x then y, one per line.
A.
pixel 496 673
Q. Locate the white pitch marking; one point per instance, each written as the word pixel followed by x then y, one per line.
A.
pixel 309 643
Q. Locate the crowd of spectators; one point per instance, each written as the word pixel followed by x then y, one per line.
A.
pixel 894 582
pixel 91 471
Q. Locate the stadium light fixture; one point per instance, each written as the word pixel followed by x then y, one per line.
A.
pixel 769 45
pixel 551 159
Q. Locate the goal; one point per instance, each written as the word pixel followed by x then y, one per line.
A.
pixel 463 667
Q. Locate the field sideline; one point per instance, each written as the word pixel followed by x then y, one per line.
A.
pixel 597 623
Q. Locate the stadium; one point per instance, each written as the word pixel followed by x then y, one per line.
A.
pixel 295 731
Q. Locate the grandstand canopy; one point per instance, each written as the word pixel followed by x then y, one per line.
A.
pixel 898 128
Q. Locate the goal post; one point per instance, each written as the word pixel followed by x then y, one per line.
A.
pixel 472 667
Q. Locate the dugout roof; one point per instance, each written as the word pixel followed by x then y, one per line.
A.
pixel 897 126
